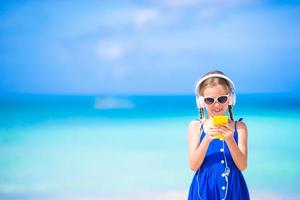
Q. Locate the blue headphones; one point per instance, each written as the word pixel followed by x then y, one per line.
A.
pixel 200 99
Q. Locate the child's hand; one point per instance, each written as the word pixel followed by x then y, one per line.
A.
pixel 226 130
pixel 210 134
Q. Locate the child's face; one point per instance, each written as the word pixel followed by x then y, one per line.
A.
pixel 216 108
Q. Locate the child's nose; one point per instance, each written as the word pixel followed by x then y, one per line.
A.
pixel 217 104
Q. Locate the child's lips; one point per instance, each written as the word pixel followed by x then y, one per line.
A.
pixel 219 110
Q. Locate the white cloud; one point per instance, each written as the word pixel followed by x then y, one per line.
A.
pixel 110 51
pixel 145 16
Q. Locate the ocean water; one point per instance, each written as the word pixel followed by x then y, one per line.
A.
pixel 55 146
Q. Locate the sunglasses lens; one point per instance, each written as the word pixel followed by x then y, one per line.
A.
pixel 222 99
pixel 209 100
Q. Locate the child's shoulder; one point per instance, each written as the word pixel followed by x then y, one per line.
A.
pixel 194 124
pixel 193 128
pixel 241 125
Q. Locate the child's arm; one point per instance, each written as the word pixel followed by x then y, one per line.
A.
pixel 239 152
pixel 196 150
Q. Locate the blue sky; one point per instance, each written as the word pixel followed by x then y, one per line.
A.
pixel 147 47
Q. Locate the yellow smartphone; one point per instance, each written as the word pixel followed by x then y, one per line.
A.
pixel 219 120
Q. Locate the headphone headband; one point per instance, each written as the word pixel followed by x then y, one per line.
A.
pixel 213 76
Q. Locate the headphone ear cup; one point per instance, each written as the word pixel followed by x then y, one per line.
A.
pixel 200 100
pixel 197 102
pixel 232 99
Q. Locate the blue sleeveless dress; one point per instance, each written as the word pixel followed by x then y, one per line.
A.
pixel 218 177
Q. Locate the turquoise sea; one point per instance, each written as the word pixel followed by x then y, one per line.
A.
pixel 54 146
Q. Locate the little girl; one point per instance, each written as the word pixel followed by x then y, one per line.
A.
pixel 217 162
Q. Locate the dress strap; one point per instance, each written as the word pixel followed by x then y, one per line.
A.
pixel 236 123
pixel 201 122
